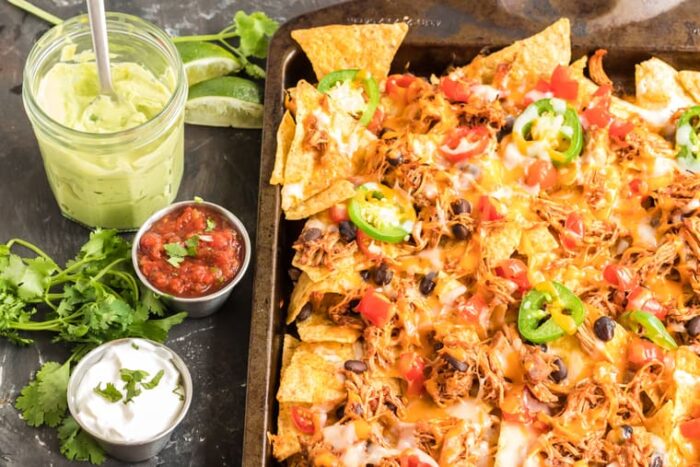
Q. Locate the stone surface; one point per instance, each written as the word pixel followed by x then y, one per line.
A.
pixel 221 166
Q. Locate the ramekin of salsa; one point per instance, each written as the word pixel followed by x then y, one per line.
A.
pixel 192 253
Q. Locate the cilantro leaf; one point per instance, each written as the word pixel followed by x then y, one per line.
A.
pixel 77 445
pixel 154 381
pixel 255 31
pixel 131 378
pixel 192 244
pixel 176 253
pixel 156 329
pixel 211 224
pixel 43 400
pixel 110 392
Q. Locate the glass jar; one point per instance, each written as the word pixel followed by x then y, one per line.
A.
pixel 111 179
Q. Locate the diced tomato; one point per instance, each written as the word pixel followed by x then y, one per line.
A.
pixel 619 129
pixel 455 90
pixel 516 271
pixel 367 245
pixel 541 173
pixel 396 82
pixel 543 86
pixel 638 187
pixel 303 419
pixel 412 369
pixel 339 212
pixel 562 86
pixel 620 277
pixel 573 231
pixel 487 210
pixel 412 460
pixel 597 113
pixel 640 352
pixel 641 298
pixel 691 429
pixel 375 308
pixel 464 142
pixel 473 308
pixel 375 124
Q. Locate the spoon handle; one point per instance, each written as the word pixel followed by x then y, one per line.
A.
pixel 98 26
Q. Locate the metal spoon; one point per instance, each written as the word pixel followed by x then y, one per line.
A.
pixel 98 27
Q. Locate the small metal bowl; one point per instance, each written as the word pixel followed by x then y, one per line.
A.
pixel 196 307
pixel 133 451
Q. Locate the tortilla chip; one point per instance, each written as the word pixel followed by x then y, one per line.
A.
pixel 690 80
pixel 686 375
pixel 313 375
pixel 338 47
pixel 288 348
pixel 537 239
pixel 286 442
pixel 499 241
pixel 337 192
pixel 285 135
pixel 319 328
pixel 537 55
pixel 340 283
pixel 657 85
pixel 310 170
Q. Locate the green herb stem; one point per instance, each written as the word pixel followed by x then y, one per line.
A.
pixel 31 247
pixel 36 11
pixel 206 37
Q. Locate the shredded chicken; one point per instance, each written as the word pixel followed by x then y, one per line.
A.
pixel 324 251
pixel 595 68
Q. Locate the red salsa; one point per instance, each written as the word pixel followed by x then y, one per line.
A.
pixel 191 252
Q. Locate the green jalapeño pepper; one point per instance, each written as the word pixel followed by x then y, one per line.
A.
pixel 382 213
pixel 552 123
pixel 687 140
pixel 647 325
pixel 549 311
pixel 368 83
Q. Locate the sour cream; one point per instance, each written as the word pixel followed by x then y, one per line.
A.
pixel 149 413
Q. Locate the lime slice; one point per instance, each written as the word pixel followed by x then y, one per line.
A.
pixel 204 60
pixel 225 101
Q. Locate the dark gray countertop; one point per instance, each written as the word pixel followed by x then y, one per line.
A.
pixel 221 166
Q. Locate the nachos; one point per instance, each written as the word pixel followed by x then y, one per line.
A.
pixel 499 266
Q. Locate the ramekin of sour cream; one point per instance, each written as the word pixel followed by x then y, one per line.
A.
pixel 130 394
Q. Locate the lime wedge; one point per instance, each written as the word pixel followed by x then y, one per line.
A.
pixel 225 101
pixel 204 60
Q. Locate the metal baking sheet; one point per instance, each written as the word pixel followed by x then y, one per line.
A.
pixel 442 33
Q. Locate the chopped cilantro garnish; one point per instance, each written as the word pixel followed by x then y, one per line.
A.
pixel 110 392
pixel 211 224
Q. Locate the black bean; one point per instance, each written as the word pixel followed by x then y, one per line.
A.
pixel 542 347
pixel 352 304
pixel 560 373
pixel 438 345
pixel 365 274
pixel 304 313
pixel 604 328
pixel 340 412
pixel 394 157
pixel 460 206
pixel 626 432
pixel 454 363
pixel 656 461
pixel 382 275
pixel 460 231
pixel 347 231
pixel 693 326
pixel 427 283
pixel 356 366
pixel 648 202
pixel 311 234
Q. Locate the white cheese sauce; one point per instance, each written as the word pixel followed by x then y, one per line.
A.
pixel 147 414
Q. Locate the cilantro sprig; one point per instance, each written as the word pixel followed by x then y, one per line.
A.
pixel 177 252
pixel 95 298
pixel 253 32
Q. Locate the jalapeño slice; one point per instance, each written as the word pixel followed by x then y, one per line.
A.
pixel 647 325
pixel 368 83
pixel 549 311
pixel 552 122
pixel 382 213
